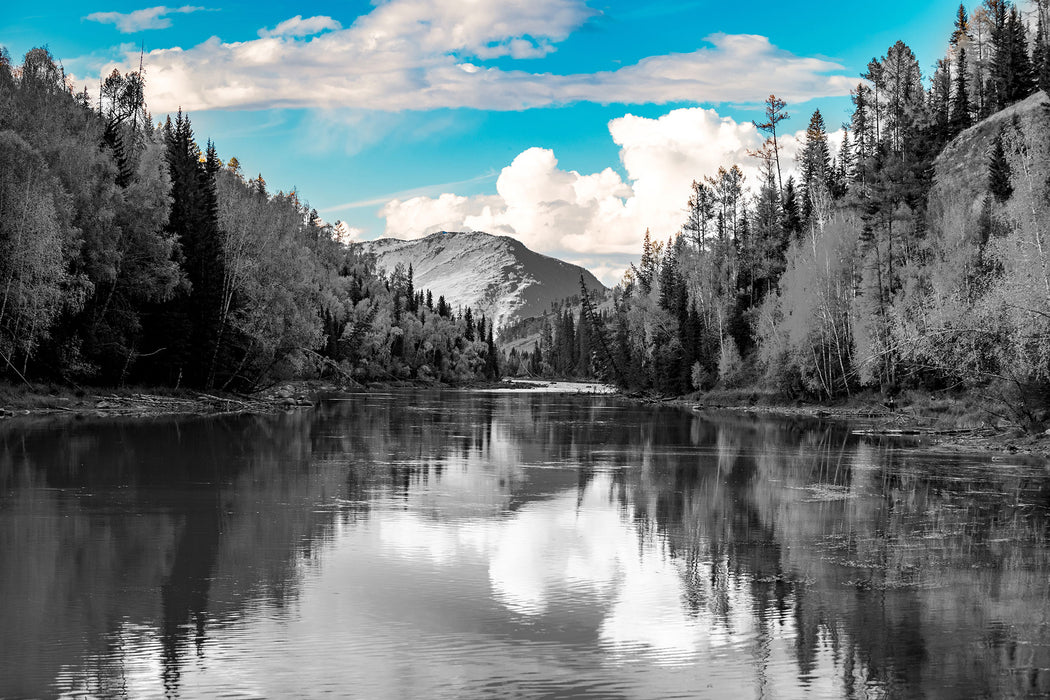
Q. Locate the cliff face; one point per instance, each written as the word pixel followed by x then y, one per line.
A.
pixel 961 169
pixel 495 274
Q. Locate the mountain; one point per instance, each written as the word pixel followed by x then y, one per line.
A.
pixel 495 274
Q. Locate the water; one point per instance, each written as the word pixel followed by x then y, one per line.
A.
pixel 447 545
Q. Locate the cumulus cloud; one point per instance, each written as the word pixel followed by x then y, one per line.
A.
pixel 599 218
pixel 428 54
pixel 138 20
pixel 297 26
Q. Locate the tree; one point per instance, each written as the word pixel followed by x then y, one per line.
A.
pixel 815 164
pixel 792 211
pixel 960 99
pixel 33 252
pixel 862 125
pixel 774 115
pixel 700 209
pixel 903 93
pixel 999 174
pixel 1041 50
pixel 190 327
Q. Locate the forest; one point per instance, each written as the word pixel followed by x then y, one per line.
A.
pixel 912 256
pixel 866 272
pixel 129 256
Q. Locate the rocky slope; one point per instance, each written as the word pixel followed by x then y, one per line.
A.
pixel 961 170
pixel 495 274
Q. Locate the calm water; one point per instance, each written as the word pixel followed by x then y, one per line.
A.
pixel 485 545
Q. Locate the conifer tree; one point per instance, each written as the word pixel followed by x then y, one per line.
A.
pixel 774 115
pixel 940 101
pixel 960 116
pixel 999 174
pixel 1041 50
pixel 960 100
pixel 815 163
pixel 862 124
pixel 190 326
pixel 792 211
pixel 700 209
pixel 468 320
pixel 1022 73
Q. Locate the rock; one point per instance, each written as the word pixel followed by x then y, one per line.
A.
pixel 103 404
pixel 287 401
pixel 284 394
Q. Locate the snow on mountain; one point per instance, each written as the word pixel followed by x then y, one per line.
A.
pixel 495 274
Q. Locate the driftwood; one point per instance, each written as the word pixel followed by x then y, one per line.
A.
pixel 919 431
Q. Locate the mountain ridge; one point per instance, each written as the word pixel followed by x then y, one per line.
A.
pixel 498 275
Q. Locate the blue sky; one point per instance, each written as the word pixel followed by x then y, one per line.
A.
pixel 571 124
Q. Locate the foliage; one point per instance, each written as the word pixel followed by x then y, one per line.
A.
pixel 128 255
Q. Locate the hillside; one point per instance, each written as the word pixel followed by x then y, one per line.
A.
pixel 961 169
pixel 495 274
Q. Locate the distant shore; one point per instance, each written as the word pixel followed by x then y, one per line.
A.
pixel 42 399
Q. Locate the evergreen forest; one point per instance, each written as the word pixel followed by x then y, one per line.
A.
pixel 911 251
pixel 130 256
pixel 916 257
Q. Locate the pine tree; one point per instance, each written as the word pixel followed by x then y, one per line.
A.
pixel 903 92
pixel 190 327
pixel 960 116
pixel 774 115
pixel 700 209
pixel 792 221
pixel 1041 51
pixel 468 322
pixel 1022 74
pixel 649 265
pixel 815 163
pixel 941 101
pixel 1000 73
pixel 960 99
pixel 862 125
pixel 999 171
pixel 492 369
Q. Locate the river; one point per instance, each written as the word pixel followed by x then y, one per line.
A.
pixel 457 544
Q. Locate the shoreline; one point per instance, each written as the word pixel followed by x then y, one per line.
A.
pixel 945 426
pixel 871 418
pixel 44 400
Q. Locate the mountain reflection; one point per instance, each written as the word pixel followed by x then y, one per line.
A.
pixel 653 547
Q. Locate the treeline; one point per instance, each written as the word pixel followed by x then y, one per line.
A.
pixel 563 349
pixel 862 273
pixel 128 255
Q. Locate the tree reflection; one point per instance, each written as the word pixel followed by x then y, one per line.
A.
pixel 894 572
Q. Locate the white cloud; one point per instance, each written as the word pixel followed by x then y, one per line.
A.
pixel 297 26
pixel 138 20
pixel 598 218
pixel 428 54
pixel 421 216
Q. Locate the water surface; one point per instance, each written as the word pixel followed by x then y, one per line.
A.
pixel 483 545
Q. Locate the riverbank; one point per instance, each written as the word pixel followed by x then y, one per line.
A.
pixel 42 399
pixel 959 422
pixel 137 401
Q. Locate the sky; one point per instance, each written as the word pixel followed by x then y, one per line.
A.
pixel 572 125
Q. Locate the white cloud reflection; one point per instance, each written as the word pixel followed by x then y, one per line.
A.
pixel 571 549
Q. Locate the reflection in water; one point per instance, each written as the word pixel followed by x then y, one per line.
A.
pixel 457 544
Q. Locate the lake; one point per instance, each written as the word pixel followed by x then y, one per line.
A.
pixel 456 544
